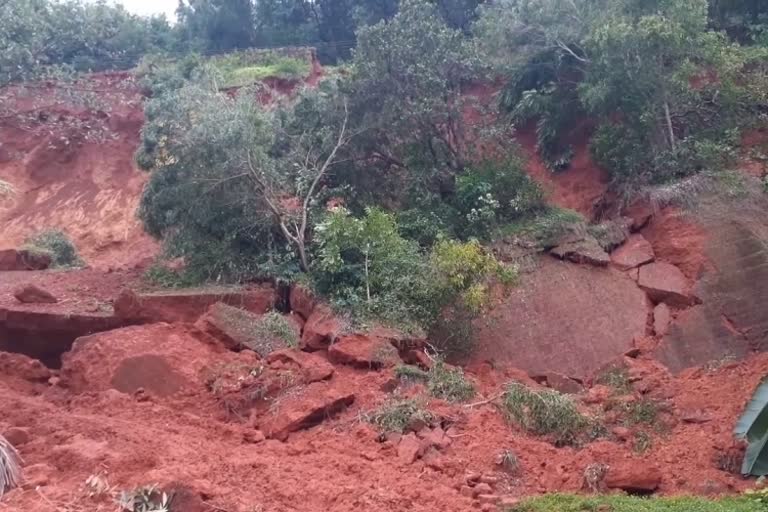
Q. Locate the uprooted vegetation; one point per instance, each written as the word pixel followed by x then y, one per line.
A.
pixel 399 415
pixel 549 413
pixel 55 244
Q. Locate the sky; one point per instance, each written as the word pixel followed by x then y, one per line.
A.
pixel 145 7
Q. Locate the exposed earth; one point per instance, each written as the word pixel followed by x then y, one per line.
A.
pixel 107 385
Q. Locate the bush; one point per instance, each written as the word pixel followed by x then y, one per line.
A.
pixel 56 243
pixel 545 412
pixel 545 228
pixel 398 416
pixel 449 383
pixel 567 503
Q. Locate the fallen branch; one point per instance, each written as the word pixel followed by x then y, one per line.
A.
pixel 487 401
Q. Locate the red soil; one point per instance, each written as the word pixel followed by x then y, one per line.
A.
pixel 678 241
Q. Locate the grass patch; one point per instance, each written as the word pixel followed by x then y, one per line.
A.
pixel 616 379
pixel 546 412
pixel 546 228
pixel 410 374
pixel 56 244
pixel 567 503
pixel 239 70
pixel 399 416
pixel 449 383
pixel 260 333
pixel 641 412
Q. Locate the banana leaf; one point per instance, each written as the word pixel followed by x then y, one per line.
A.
pixel 753 426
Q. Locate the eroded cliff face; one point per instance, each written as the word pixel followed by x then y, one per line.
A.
pixel 72 169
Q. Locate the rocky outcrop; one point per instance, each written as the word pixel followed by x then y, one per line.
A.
pixel 22 259
pixel 665 283
pixel 635 252
pixel 363 351
pixel 302 300
pixel 583 250
pixel 306 409
pixel 564 318
pixel 190 304
pixel 310 366
pixel 32 294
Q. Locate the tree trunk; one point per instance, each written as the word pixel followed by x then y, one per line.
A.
pixel 670 128
pixel 302 250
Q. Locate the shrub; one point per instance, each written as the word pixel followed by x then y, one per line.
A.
pixel 144 499
pixel 545 412
pixel 274 326
pixel 56 243
pixel 449 383
pixel 398 416
pixel 408 373
pixel 615 378
pixel 643 411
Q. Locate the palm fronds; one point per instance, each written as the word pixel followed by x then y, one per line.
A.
pixel 10 466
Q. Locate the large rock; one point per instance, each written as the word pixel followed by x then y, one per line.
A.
pixel 160 359
pixel 636 251
pixel 237 328
pixel 23 259
pixel 306 409
pixel 633 477
pixel 585 250
pixel 363 351
pixel 664 282
pixel 321 329
pixel 731 320
pixel 189 305
pixel 662 316
pixel 312 367
pixel 564 318
pixel 33 294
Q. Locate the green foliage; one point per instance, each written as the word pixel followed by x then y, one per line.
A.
pixel 241 69
pixel 616 378
pixel 489 194
pixel 667 91
pixel 160 275
pixel 56 243
pixel 398 415
pixel 545 228
pixel 644 411
pixel 619 503
pixel 144 499
pixel 753 426
pixel 366 266
pixel 545 412
pixel 449 383
pixel 272 327
pixel 407 373
pixel 262 334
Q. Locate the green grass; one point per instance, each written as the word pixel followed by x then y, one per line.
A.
pixel 616 379
pixel 567 503
pixel 545 228
pixel 449 383
pixel 237 73
pixel 547 412
pixel 398 415
pixel 57 245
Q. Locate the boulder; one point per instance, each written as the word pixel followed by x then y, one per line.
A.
pixel 362 351
pixel 295 412
pixel 636 251
pixel 22 367
pixel 302 300
pixel 321 329
pixel 159 359
pixel 23 259
pixel 662 316
pixel 189 305
pixel 312 367
pixel 585 250
pixel 237 328
pixel 664 282
pixel 33 294
pixel 577 317
pixel 633 477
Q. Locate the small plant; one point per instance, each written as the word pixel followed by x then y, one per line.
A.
pixel 449 383
pixel 10 466
pixel 58 245
pixel 545 412
pixel 508 461
pixel 644 411
pixel 144 499
pixel 398 416
pixel 617 379
pixel 410 374
pixel 160 275
pixel 275 326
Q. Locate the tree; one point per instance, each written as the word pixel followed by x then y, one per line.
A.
pixel 217 25
pixel 231 177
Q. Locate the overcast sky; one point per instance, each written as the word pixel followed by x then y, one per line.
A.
pixel 168 7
